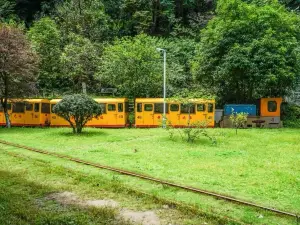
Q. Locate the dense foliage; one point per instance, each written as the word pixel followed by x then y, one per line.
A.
pixel 18 66
pixel 237 50
pixel 77 109
pixel 249 51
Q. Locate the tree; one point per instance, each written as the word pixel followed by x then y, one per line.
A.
pixel 135 67
pixel 249 51
pixel 85 18
pixel 77 109
pixel 46 41
pixel 80 61
pixel 7 9
pixel 18 66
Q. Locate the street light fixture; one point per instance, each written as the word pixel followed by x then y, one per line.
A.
pixel 165 59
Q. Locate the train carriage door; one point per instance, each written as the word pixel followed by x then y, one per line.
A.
pixel 18 114
pixel 44 118
pixel 111 115
pixel 174 114
pixel 187 113
pixel 148 114
pixel 159 113
pixel 139 120
pixel 211 114
pixel 29 117
pixel 121 114
pixel 201 112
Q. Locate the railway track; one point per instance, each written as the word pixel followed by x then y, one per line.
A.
pixel 149 178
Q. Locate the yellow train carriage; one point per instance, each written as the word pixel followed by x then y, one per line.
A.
pixel 30 112
pixel 114 113
pixel 149 112
pixel 2 115
pixel 57 121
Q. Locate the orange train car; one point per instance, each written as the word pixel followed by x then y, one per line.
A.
pixel 114 114
pixel 149 112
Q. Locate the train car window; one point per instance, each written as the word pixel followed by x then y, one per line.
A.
pixel 148 107
pixel 200 107
pixel 18 107
pixel 185 108
pixel 111 107
pixel 45 108
pixel 103 107
pixel 272 106
pixel 174 107
pixel 210 107
pixel 159 108
pixel 36 107
pixel 52 106
pixel 139 107
pixel 120 107
pixel 29 107
pixel 9 106
pixel 1 108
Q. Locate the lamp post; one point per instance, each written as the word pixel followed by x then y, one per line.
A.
pixel 165 60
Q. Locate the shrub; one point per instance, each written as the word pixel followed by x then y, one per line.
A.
pixel 238 120
pixel 190 133
pixel 77 109
pixel 291 115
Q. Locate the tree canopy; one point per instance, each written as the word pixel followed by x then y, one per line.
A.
pixel 77 109
pixel 249 51
pixel 18 66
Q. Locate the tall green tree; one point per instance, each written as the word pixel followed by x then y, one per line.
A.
pixel 249 51
pixel 80 61
pixel 7 9
pixel 135 67
pixel 46 41
pixel 83 17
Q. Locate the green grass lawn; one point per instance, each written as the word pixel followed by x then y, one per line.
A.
pixel 258 165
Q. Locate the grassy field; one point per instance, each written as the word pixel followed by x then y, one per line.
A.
pixel 258 165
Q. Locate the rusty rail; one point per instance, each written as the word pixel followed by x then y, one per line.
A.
pixel 146 177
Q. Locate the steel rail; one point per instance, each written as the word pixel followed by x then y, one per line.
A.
pixel 146 177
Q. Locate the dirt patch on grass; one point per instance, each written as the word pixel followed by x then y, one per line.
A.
pixel 143 218
pixel 135 217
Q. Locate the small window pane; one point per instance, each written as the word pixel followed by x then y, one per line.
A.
pixel 200 107
pixel 139 107
pixel 148 107
pixel 36 107
pixel 111 107
pixel 210 107
pixel 1 108
pixel 174 107
pixel 18 107
pixel 272 106
pixel 29 107
pixel 52 106
pixel 120 107
pixel 103 107
pixel 185 108
pixel 45 108
pixel 159 108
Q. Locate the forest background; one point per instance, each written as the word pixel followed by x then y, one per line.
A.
pixel 234 50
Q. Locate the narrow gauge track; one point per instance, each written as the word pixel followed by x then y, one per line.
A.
pixel 145 177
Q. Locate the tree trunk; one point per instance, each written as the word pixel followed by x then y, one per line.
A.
pixel 7 120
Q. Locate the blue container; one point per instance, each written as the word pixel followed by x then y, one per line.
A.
pixel 238 108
